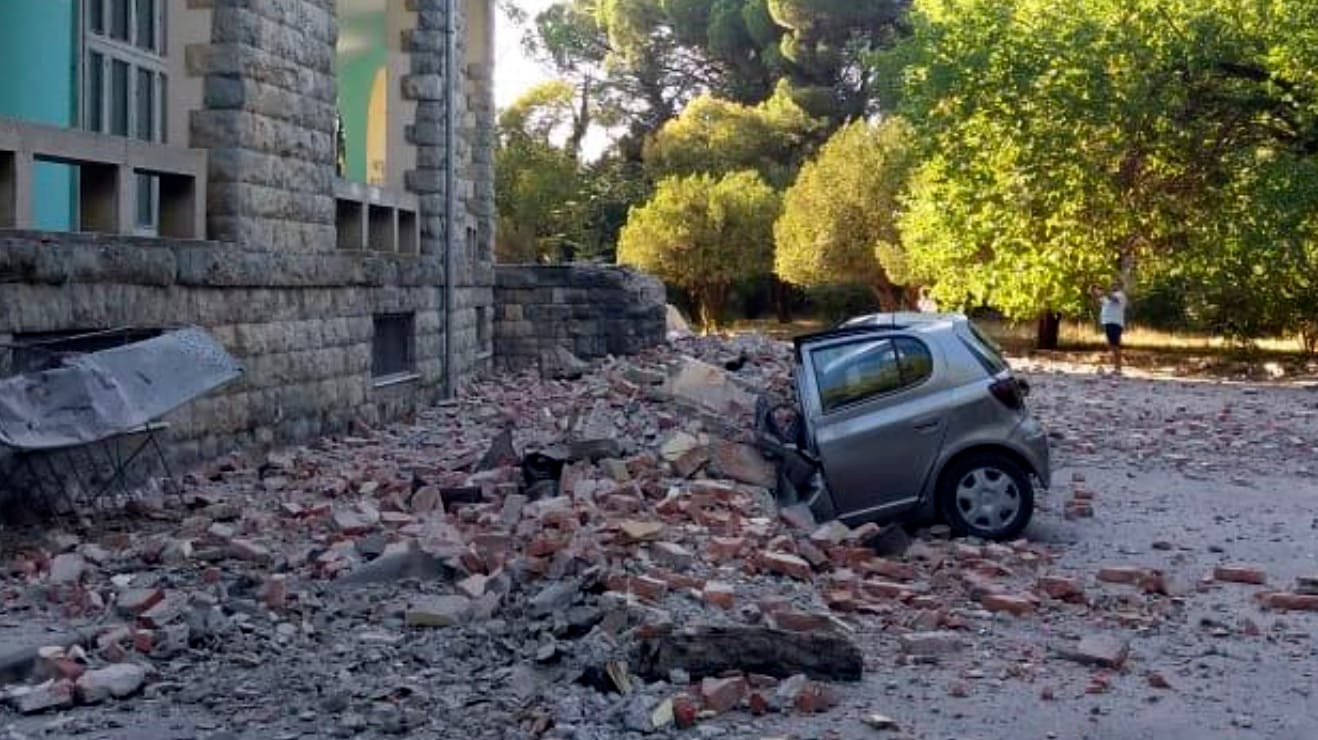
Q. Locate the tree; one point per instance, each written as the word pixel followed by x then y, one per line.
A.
pixel 537 183
pixel 704 234
pixel 1063 142
pixel 718 136
pixel 839 221
pixel 642 61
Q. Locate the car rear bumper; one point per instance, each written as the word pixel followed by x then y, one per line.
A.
pixel 1032 442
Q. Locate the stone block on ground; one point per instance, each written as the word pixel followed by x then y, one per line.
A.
pixel 439 612
pixel 719 651
pixel 1103 651
pixel 116 681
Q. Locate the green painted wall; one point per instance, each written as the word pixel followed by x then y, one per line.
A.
pixel 362 53
pixel 36 84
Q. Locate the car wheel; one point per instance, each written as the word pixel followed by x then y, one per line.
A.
pixel 986 495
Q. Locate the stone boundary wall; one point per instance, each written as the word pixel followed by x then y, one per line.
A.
pixel 591 310
pixel 301 323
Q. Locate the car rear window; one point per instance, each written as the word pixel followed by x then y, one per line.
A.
pixel 985 350
pixel 856 371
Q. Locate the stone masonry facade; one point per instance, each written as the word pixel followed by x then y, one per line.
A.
pixel 593 311
pixel 300 323
pixel 271 283
pixel 300 314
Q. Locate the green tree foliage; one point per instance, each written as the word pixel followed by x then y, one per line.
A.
pixel 704 234
pixel 537 183
pixel 644 60
pixel 839 222
pixel 716 136
pixel 1063 140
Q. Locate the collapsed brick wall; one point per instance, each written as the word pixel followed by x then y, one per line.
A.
pixel 591 310
pixel 301 323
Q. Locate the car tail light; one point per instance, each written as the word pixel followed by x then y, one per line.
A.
pixel 1008 392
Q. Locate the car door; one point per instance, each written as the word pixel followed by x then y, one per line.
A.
pixel 875 421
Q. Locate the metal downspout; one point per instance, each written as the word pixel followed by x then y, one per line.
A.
pixel 453 88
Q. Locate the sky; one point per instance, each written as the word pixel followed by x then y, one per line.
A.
pixel 514 72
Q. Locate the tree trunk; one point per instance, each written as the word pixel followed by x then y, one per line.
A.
pixel 882 297
pixel 782 297
pixel 1048 330
pixel 711 302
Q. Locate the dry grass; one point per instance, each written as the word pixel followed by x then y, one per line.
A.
pixel 1089 336
pixel 1166 353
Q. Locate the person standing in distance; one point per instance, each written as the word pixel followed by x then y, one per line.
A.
pixel 1112 315
pixel 926 304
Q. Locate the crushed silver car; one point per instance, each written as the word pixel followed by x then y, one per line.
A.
pixel 907 418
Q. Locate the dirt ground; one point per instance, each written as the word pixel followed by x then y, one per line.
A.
pixel 1214 474
pixel 1184 475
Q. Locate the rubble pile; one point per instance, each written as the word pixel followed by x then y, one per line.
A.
pixel 591 555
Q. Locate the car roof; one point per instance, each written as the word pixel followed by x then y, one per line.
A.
pixel 881 322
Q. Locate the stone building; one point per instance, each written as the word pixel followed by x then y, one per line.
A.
pixel 312 180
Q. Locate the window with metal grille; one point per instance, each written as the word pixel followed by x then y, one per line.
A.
pixel 393 346
pixel 35 352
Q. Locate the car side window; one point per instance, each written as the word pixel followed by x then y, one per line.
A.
pixel 914 360
pixel 855 371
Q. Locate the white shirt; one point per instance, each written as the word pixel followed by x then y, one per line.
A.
pixel 1114 309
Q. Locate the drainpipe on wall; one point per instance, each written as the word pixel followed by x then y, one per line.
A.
pixel 454 88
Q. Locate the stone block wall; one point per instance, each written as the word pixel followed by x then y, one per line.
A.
pixel 272 285
pixel 269 93
pixel 300 323
pixel 591 310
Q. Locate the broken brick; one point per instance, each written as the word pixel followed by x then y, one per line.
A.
pixel 721 694
pixel 1283 601
pixel 797 621
pixel 638 531
pixel 684 711
pixel 1153 582
pixel 1120 574
pixel 274 592
pixel 725 548
pixel 721 595
pixel 884 589
pixel 1240 574
pixel 1019 606
pixel 134 601
pixel 677 580
pixel 815 698
pixel 163 612
pixel 787 565
pixel 1062 588
pixel 892 569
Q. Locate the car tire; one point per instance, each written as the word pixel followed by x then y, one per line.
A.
pixel 986 495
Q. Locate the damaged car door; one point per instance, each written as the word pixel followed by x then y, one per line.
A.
pixel 873 419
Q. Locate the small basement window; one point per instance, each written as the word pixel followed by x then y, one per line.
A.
pixel 35 352
pixel 393 355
